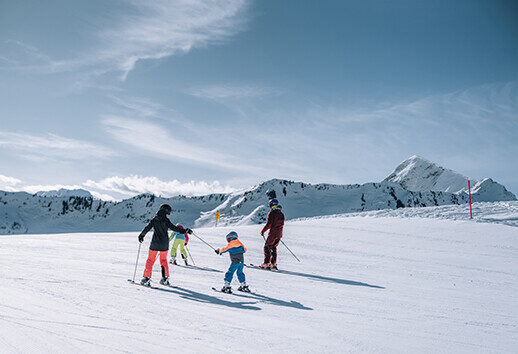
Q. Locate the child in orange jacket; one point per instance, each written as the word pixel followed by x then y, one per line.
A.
pixel 236 250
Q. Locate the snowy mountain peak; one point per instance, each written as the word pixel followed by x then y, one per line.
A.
pixel 418 174
pixel 488 190
pixel 60 193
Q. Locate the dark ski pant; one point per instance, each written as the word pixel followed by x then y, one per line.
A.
pixel 270 249
pixel 232 269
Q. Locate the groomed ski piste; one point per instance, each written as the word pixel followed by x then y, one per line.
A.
pixel 372 282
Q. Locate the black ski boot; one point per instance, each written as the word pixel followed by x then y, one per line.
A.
pixel 243 287
pixel 165 281
pixel 146 281
pixel 226 288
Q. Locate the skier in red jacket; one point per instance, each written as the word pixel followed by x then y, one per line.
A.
pixel 275 223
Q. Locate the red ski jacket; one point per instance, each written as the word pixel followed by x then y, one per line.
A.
pixel 274 223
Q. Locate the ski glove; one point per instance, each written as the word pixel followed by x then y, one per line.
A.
pixel 188 231
pixel 217 251
pixel 140 238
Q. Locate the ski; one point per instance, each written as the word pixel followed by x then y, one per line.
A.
pixel 258 267
pixel 219 291
pixel 237 292
pixel 151 286
pixel 145 286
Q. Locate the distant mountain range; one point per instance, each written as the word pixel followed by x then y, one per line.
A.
pixel 416 182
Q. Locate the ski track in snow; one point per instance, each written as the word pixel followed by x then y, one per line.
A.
pixel 375 283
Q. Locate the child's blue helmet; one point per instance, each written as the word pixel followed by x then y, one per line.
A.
pixel 232 235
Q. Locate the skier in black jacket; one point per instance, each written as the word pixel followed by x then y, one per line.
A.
pixel 159 243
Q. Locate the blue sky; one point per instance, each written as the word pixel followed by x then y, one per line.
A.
pixel 190 97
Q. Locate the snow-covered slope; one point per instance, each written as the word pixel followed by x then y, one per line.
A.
pixel 65 193
pixel 488 190
pixel 25 213
pixel 364 284
pixel 418 174
pixel 488 212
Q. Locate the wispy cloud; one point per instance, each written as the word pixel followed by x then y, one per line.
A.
pixel 142 106
pixel 34 188
pixel 9 183
pixel 133 185
pixel 51 145
pixel 229 91
pixel 17 54
pixel 162 28
pixel 156 140
pixel 148 30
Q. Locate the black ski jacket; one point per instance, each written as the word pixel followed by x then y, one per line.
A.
pixel 160 223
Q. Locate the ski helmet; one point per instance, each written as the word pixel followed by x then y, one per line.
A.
pixel 273 202
pixel 232 235
pixel 166 207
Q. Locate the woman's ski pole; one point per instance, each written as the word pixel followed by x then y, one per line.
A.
pixel 136 263
pixel 290 251
pixel 190 255
pixel 202 240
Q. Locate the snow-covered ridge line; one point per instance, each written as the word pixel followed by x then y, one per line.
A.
pixel 505 213
pixel 65 193
pixel 63 211
pixel 25 213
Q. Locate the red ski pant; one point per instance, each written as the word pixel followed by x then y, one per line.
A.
pixel 270 249
pixel 151 260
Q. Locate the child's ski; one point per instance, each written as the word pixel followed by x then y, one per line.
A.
pixel 238 292
pixel 219 291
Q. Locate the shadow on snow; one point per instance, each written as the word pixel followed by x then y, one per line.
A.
pixel 206 269
pixel 273 301
pixel 328 279
pixel 209 299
